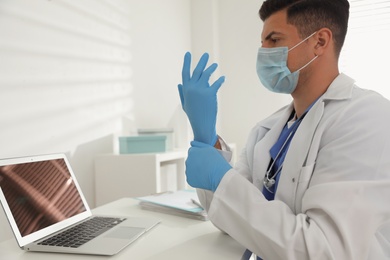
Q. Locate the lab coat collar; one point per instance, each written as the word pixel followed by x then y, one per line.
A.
pixel 279 118
pixel 340 89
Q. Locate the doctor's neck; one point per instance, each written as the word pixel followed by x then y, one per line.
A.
pixel 311 88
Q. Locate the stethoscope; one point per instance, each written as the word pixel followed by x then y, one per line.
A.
pixel 268 180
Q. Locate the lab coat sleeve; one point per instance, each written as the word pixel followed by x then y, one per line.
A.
pixel 340 219
pixel 343 210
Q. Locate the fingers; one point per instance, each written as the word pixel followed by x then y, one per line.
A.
pixel 180 88
pixel 186 68
pixel 218 83
pixel 201 73
pixel 198 71
pixel 210 70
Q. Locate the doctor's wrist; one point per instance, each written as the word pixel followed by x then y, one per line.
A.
pixel 218 145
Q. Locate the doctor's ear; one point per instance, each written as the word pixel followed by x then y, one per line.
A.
pixel 324 39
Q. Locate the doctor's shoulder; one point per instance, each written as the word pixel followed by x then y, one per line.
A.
pixel 370 103
pixel 346 101
pixel 362 119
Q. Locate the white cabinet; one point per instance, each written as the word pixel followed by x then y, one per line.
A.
pixel 132 175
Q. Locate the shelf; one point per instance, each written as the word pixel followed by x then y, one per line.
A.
pixel 134 175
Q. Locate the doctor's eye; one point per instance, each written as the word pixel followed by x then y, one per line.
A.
pixel 274 40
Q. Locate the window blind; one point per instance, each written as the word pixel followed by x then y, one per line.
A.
pixel 366 54
pixel 65 73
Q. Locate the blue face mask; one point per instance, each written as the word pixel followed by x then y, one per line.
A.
pixel 273 71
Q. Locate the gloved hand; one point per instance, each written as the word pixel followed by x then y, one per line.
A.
pixel 199 99
pixel 205 166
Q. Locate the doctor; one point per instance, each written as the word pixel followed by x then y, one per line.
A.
pixel 313 181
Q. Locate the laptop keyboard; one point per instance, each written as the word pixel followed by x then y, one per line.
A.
pixel 83 232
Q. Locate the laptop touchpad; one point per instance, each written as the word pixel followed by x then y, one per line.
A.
pixel 126 232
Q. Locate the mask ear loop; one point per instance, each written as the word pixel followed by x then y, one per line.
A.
pixel 307 64
pixel 296 45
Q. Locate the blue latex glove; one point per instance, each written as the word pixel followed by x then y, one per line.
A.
pixel 199 99
pixel 205 166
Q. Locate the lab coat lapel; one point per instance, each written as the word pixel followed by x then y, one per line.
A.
pixel 294 163
pixel 262 148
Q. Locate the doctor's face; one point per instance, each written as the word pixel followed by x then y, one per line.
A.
pixel 278 33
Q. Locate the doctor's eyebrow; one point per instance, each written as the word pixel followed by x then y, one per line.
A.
pixel 270 35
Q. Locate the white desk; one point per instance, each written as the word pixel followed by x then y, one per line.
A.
pixel 174 238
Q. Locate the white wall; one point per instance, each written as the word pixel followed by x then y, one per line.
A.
pixel 70 71
pixel 365 64
pixel 162 35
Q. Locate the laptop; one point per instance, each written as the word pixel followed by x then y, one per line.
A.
pixel 47 211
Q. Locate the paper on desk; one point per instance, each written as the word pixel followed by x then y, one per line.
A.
pixel 178 199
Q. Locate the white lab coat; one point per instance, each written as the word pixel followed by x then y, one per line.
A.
pixel 333 198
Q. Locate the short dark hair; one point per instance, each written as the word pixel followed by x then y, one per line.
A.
pixel 311 15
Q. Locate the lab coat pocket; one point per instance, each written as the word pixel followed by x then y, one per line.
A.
pixel 302 185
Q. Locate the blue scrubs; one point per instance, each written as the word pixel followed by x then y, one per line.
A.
pixel 278 153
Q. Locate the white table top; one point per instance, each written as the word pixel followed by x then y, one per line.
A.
pixel 174 238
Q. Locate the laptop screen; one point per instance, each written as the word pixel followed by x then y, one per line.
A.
pixel 40 193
